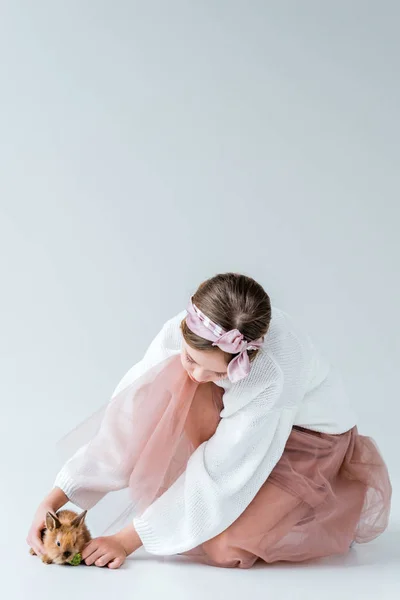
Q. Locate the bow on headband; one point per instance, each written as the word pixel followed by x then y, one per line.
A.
pixel 231 341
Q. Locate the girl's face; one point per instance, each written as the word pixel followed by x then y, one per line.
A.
pixel 204 366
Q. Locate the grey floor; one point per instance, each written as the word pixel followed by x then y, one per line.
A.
pixel 366 572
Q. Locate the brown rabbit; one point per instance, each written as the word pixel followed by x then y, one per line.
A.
pixel 64 536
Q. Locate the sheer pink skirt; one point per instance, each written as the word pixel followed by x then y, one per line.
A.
pixel 325 492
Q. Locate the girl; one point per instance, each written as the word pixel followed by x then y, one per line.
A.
pixel 236 441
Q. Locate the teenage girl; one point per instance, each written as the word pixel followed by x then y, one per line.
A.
pixel 236 440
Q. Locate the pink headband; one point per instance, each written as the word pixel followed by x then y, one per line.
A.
pixel 229 341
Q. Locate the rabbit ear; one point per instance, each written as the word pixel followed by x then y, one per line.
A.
pixel 52 522
pixel 77 522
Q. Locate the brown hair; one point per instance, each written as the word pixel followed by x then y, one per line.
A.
pixel 233 301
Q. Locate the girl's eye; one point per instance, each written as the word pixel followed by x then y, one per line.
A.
pixel 58 544
pixel 191 361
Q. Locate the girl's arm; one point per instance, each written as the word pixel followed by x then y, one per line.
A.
pixel 56 499
pixel 100 466
pixel 84 480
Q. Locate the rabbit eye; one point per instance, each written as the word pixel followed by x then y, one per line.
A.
pixel 58 544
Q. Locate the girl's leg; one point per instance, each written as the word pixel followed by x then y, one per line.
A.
pixel 278 525
pixel 267 519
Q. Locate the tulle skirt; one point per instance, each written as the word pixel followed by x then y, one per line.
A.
pixel 325 492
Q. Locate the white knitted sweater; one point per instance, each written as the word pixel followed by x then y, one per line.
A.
pixel 289 384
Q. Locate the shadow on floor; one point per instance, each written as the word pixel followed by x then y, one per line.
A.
pixel 385 551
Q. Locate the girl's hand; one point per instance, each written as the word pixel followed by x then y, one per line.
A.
pixel 105 551
pixel 112 550
pixel 34 538
pixel 52 503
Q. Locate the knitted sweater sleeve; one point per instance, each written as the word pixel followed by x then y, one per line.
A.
pixel 86 480
pixel 222 477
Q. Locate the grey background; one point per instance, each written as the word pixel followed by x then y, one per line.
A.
pixel 145 146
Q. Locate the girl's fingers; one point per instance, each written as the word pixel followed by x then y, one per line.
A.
pixel 36 545
pixel 116 563
pixel 89 549
pixel 39 544
pixel 94 556
pixel 104 560
pixel 36 549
